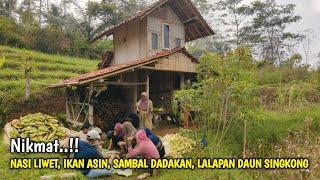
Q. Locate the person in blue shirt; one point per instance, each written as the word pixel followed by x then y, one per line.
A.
pixel 89 150
pixel 156 141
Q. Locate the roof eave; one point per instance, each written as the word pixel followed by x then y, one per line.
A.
pixel 150 10
pixel 85 80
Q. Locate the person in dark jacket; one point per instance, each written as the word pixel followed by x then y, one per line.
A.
pixel 134 119
pixel 89 150
pixel 156 141
pixel 116 138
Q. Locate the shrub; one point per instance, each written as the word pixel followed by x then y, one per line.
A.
pixel 10 33
pixel 232 91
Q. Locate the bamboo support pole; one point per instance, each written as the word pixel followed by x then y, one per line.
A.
pixel 90 117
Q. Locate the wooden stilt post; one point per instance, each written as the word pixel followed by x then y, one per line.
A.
pixel 147 85
pixel 90 117
pixel 181 80
pixel 72 111
pixel 67 106
pixel 135 93
pixel 77 106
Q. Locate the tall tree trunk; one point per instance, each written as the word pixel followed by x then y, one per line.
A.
pixel 48 6
pixel 40 13
pixel 9 8
pixel 272 46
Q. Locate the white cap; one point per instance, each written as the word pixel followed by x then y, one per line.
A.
pixel 98 130
pixel 93 134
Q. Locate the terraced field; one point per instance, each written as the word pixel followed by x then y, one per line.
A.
pixel 46 69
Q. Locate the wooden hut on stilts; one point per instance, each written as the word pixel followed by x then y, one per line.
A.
pixel 149 55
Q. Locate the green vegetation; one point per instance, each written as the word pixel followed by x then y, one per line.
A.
pixel 247 108
pixel 45 69
pixel 56 30
pixel 266 129
pixel 242 105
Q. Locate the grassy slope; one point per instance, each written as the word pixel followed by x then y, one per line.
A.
pixel 47 69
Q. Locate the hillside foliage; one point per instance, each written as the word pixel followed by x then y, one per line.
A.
pixel 236 97
pixel 45 69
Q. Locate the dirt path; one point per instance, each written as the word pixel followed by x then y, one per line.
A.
pixel 168 129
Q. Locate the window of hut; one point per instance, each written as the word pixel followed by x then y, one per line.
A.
pixel 166 36
pixel 154 41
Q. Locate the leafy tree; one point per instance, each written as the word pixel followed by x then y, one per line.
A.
pixel 233 14
pixel 224 93
pixel 127 8
pixel 294 60
pixel 27 14
pixel 216 44
pixel 11 33
pixel 7 7
pixel 306 43
pixel 95 17
pixel 203 6
pixel 268 28
pixel 54 17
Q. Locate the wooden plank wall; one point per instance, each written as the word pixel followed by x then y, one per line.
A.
pixel 176 62
pixel 155 23
pixel 130 42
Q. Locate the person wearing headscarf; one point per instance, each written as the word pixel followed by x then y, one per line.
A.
pixel 144 148
pixel 156 141
pixel 145 108
pixel 129 131
pixel 118 129
pixel 116 139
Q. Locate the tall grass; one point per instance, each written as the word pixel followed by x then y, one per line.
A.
pixel 267 128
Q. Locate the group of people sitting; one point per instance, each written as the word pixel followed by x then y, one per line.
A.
pixel 127 138
pixel 124 137
pixel 133 139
